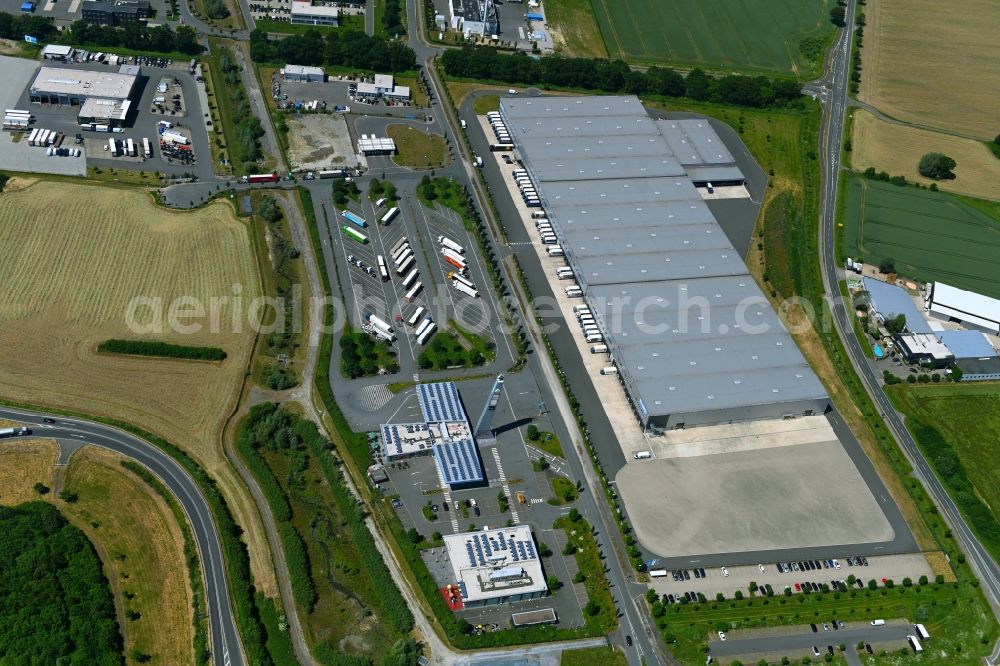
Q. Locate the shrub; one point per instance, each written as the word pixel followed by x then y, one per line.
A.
pixel 937 166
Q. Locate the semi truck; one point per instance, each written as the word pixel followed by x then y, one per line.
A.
pixel 177 137
pixel 263 178
pixel 14 432
pixel 458 277
pixel 451 245
pixel 146 150
pixel 457 264
pixel 426 335
pixel 332 173
pixel 405 266
pixel 410 278
pixel 401 256
pixel 464 288
pixel 413 292
pixel 383 271
pixel 398 245
pixel 351 217
pixel 389 215
pixel 379 324
pixel 354 235
pixel 423 326
pixel 417 314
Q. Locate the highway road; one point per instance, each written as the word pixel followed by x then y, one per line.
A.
pixel 831 90
pixel 226 647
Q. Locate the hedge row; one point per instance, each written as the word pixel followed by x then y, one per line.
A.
pixel 164 349
pixel 202 654
pixel 297 563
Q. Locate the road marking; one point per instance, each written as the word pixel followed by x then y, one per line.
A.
pixel 506 488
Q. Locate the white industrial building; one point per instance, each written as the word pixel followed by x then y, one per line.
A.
pixel 305 12
pixel 967 307
pixel 58 52
pixel 104 98
pixel 376 145
pixel 303 74
pixel 383 87
pixel 496 566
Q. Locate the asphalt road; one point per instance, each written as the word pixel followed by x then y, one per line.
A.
pixel 831 90
pixel 226 648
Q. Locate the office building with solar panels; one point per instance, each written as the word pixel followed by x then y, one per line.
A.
pixel 693 338
pixel 444 433
pixel 496 566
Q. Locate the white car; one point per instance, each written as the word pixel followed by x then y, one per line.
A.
pixel 761 567
pixel 722 636
pixel 725 572
pixel 836 564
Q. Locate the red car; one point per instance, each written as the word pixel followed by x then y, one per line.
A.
pixel 798 587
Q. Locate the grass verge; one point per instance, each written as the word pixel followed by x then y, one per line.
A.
pixel 418 150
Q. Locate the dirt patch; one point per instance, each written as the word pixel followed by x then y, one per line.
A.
pixel 939 565
pixel 98 249
pixel 23 463
pixel 320 141
pixel 949 84
pixel 897 149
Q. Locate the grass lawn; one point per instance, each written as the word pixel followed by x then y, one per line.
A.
pixel 448 350
pixel 127 176
pixel 477 344
pixel 548 442
pixel 418 96
pixel 575 25
pixel 758 35
pixel 606 656
pixel 967 415
pixel 600 612
pixel 564 490
pixel 418 150
pixel 931 235
pixel 486 103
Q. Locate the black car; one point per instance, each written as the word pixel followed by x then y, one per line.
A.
pixel 670 598
pixel 702 572
pixel 476 511
pixel 869 648
pixel 444 505
pixel 628 641
pixel 48 420
pixel 816 564
pixel 687 575
pixel 814 627
pixel 829 648
pixel 836 625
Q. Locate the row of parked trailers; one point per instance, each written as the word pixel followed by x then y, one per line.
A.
pixel 454 256
pixel 129 148
pixel 406 267
pixel 16 119
pixel 44 138
pixel 499 128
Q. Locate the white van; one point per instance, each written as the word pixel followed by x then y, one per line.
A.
pixel 878 623
pixel 609 370
pixel 555 251
pixel 548 239
pixel 599 349
pixel 581 308
pixel 574 292
pixel 642 455
pixel 538 215
pixel 597 337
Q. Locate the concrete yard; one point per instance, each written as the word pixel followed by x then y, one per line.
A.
pixel 20 156
pixel 796 496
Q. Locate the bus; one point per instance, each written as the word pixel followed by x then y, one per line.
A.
pixel 113 147
pixel 391 213
pixel 413 292
pixel 351 217
pixel 410 278
pixel 658 573
pixel 915 644
pixel 382 270
pixel 922 632
pixel 405 266
pixel 354 235
pixel 417 314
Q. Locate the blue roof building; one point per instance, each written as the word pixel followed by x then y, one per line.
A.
pixel 888 301
pixel 458 464
pixel 439 402
pixel 967 344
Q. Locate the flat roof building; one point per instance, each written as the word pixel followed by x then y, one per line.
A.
pixel 58 52
pixel 967 344
pixel 305 12
pixel 376 145
pixel 980 369
pixel 924 348
pixel 889 300
pixel 115 12
pixel 439 401
pixel 382 87
pixel 693 338
pixel 496 566
pixel 968 307
pixel 303 74
pixel 458 464
pixel 74 86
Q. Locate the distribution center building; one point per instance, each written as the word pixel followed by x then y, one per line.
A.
pixel 694 339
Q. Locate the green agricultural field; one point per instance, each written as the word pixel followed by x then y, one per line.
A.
pixel 967 416
pixel 931 235
pixel 757 35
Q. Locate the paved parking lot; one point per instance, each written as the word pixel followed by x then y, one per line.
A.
pixel 896 567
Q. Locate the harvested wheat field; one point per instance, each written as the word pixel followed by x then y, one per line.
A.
pixel 933 63
pixel 23 463
pixel 138 536
pixel 82 254
pixel 897 149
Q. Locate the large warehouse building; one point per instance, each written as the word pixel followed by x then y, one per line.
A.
pixel 104 98
pixel 693 338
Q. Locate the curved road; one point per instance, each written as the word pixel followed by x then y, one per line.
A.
pixel 226 647
pixel 832 92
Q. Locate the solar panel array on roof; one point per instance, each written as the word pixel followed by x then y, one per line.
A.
pixel 496 548
pixel 458 462
pixel 439 402
pixel 396 442
pixel 619 191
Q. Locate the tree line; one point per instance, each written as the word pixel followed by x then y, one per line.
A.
pixel 347 48
pixel 135 36
pixel 55 602
pixel 164 349
pixel 248 127
pixel 615 76
pixel 392 18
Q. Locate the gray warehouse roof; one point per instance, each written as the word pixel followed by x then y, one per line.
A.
pixel 688 327
pixel 83 83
